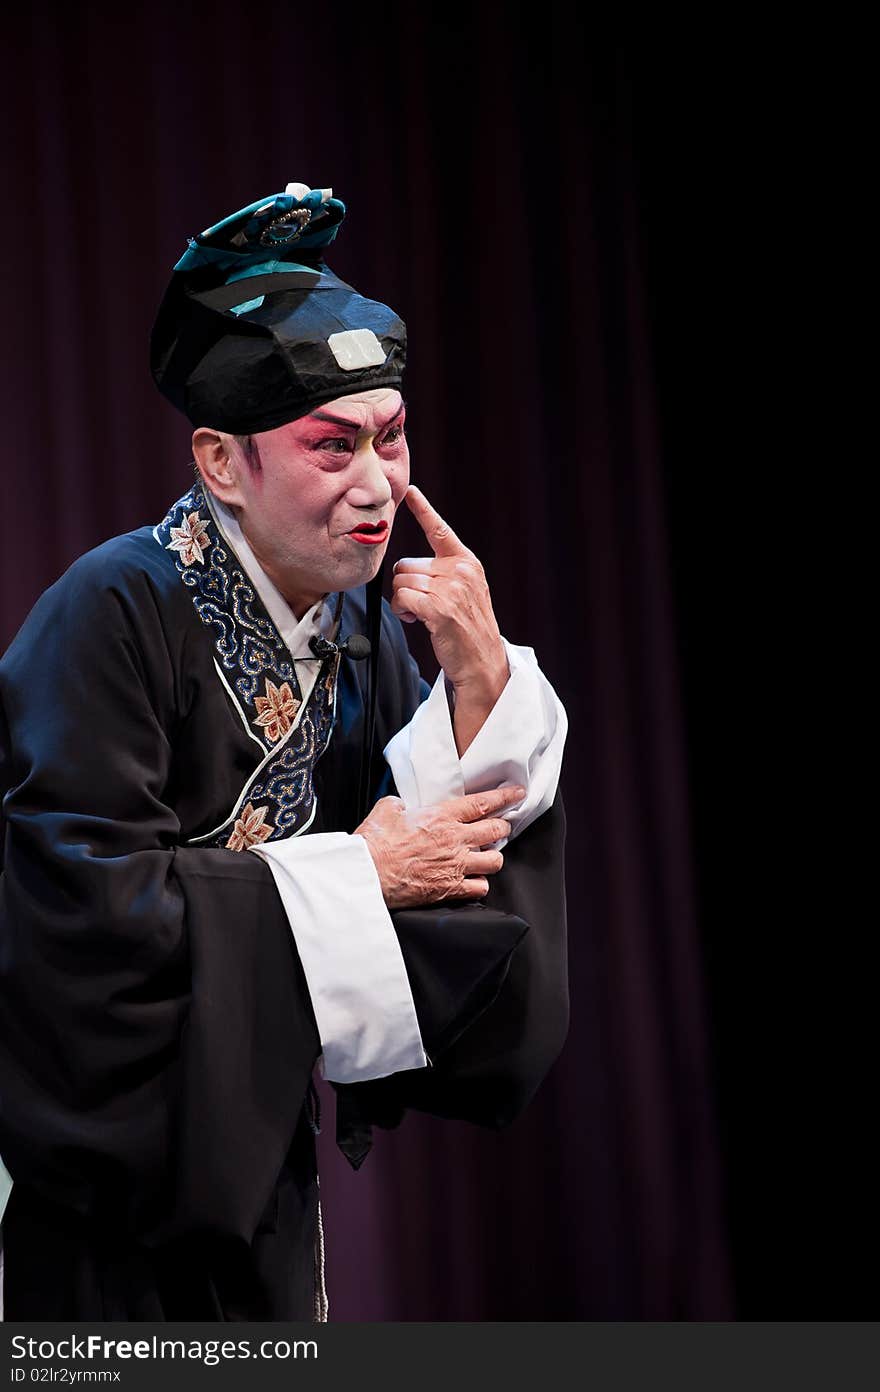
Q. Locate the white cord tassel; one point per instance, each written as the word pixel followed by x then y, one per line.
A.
pixel 322 1304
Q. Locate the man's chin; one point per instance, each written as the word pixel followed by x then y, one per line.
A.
pixel 361 568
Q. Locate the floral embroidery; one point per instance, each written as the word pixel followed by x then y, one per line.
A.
pixel 250 651
pixel 277 710
pixel 246 641
pixel 250 829
pixel 191 540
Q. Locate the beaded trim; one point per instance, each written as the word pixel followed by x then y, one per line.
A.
pixel 279 231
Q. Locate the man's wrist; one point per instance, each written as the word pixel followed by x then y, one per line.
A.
pixel 473 701
pixel 481 689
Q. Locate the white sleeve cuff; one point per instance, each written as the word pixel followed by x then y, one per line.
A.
pixel 521 742
pixel 350 955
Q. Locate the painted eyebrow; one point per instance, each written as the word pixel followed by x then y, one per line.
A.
pixel 353 425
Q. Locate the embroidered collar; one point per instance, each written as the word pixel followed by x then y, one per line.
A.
pixel 292 724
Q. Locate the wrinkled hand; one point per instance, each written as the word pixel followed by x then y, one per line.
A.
pixel 436 852
pixel 449 594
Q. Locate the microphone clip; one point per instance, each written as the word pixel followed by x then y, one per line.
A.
pixel 322 647
pixel 355 646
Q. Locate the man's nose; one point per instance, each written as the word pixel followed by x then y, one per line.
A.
pixel 372 487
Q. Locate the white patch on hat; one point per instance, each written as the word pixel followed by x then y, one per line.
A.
pixel 356 348
pixel 299 191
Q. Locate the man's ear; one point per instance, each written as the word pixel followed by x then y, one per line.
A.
pixel 217 461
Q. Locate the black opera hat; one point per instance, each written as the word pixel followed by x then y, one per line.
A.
pixel 255 329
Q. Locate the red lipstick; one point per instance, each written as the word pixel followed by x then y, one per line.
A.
pixel 369 534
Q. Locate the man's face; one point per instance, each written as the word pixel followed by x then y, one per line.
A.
pixel 310 485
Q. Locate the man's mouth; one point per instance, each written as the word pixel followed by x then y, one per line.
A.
pixel 369 533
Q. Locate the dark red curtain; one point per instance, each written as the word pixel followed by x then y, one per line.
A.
pixel 490 162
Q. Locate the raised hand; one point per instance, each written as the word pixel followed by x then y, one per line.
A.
pixel 437 852
pixel 448 592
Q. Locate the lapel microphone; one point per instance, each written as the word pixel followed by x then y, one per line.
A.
pixel 355 646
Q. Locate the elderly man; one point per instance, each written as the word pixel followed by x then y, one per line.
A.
pixel 232 681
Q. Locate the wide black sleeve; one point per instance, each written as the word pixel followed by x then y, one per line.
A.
pixel 491 1036
pixel 489 980
pixel 156 1034
pixel 489 1071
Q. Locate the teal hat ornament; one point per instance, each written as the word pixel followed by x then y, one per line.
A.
pixel 255 330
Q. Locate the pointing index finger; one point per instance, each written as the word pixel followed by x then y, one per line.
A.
pixel 438 533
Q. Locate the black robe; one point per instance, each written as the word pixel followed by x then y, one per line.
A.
pixel 156 1035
